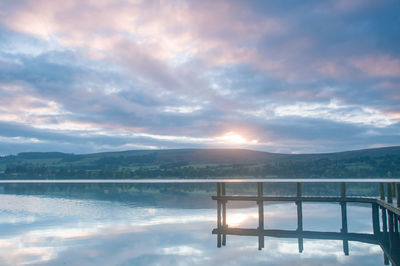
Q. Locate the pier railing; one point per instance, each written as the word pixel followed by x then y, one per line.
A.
pixel 385 215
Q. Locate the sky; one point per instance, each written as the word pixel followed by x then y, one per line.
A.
pixel 278 76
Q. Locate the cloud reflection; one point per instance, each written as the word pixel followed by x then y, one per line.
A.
pixel 52 231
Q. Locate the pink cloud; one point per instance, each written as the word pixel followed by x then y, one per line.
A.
pixel 168 28
pixel 378 65
pixel 149 37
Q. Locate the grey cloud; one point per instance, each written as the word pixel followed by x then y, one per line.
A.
pixel 307 59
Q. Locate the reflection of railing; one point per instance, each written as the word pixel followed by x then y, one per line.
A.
pixel 388 238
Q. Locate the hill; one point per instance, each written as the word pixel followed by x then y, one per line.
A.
pixel 207 163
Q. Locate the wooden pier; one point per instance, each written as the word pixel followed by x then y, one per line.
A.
pixel 385 217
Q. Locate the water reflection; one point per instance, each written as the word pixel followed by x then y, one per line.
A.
pixel 386 236
pixel 167 228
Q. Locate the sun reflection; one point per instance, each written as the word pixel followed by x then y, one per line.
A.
pixel 237 219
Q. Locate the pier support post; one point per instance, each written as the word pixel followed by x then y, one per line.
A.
pixel 299 217
pixel 260 216
pixel 219 215
pixel 219 206
pixel 298 190
pixel 344 228
pixel 381 191
pixel 394 190
pixel 223 192
pixel 389 193
pixel 343 206
pixel 398 195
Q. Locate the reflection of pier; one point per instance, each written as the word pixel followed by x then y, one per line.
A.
pixel 385 219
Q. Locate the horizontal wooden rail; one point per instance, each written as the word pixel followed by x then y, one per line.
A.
pixel 359 237
pixel 325 199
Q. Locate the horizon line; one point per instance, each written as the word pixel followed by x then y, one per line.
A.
pixel 219 180
pixel 171 149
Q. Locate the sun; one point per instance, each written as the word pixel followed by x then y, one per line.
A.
pixel 234 138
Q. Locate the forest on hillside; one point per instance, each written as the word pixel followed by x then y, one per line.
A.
pixel 151 166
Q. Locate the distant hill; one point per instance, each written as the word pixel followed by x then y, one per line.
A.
pixel 188 163
pixel 209 155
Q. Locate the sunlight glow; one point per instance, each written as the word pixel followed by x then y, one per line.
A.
pixel 237 219
pixel 235 138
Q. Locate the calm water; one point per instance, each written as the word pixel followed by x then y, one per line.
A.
pixel 163 225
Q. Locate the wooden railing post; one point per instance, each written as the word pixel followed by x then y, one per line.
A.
pixel 343 189
pixel 375 219
pixel 384 220
pixel 391 228
pixel 298 190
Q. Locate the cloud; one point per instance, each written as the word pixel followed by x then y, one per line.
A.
pixel 378 65
pixel 172 72
pixel 337 112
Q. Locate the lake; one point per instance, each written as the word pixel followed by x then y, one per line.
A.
pixel 177 224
